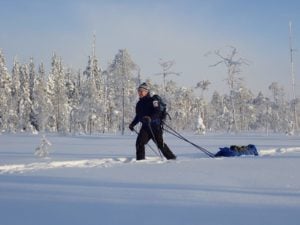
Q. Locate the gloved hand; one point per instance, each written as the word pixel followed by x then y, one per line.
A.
pixel 147 119
pixel 131 127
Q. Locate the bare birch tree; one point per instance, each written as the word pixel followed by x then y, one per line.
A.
pixel 233 64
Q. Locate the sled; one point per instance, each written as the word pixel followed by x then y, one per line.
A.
pixel 235 150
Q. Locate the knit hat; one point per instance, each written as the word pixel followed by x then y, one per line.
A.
pixel 144 86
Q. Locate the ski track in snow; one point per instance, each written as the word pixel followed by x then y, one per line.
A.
pixel 277 151
pixel 87 163
pixel 108 162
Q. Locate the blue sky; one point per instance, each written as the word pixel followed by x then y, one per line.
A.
pixel 183 31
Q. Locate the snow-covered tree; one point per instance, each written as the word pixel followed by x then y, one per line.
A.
pixel 72 92
pixel 262 107
pixel 32 75
pixel 75 91
pixel 5 94
pixel 277 93
pixel 281 117
pixel 41 108
pixel 15 97
pixel 56 90
pixel 122 87
pixel 43 150
pixel 203 85
pixel 25 104
pixel 200 126
pixel 32 80
pixel 220 116
pixel 243 101
pixel 181 105
pixel 90 104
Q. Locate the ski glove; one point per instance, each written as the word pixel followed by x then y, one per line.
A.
pixel 146 119
pixel 131 127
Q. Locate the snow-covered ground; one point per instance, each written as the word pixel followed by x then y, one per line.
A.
pixel 96 180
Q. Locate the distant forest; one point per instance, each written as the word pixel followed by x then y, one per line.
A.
pixel 95 100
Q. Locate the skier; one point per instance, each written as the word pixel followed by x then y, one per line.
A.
pixel 148 113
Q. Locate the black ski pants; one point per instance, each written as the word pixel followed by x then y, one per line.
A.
pixel 156 134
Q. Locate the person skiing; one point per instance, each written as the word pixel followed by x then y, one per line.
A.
pixel 148 113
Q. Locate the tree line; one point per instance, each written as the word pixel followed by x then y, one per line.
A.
pixel 95 100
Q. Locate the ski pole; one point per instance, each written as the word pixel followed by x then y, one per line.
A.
pixel 178 135
pixel 195 145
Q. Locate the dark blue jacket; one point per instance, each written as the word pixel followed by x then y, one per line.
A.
pixel 147 106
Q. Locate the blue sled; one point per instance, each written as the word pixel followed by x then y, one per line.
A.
pixel 235 150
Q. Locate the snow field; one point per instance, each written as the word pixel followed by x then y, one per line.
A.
pixel 96 180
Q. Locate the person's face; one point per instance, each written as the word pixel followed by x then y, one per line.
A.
pixel 142 92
